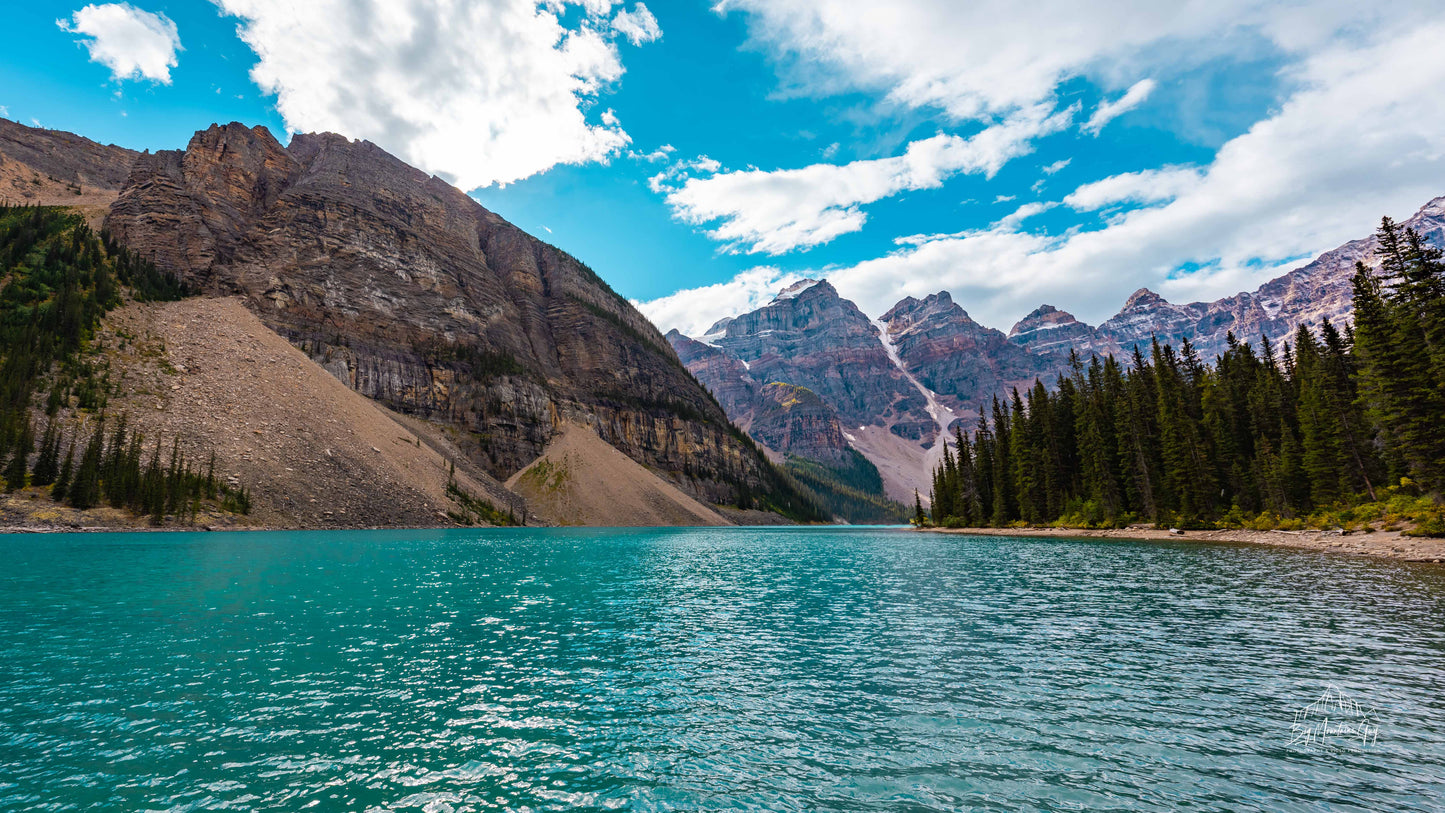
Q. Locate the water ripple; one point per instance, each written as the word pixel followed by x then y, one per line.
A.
pixel 801 669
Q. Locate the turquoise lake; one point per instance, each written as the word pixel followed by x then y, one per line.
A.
pixel 770 669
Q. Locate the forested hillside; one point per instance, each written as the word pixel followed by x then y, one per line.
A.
pixel 59 279
pixel 1332 428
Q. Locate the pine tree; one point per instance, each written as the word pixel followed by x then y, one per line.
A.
pixel 1341 393
pixel 47 464
pixel 1321 432
pixel 62 480
pixel 20 455
pixel 84 490
pixel 919 518
pixel 1005 504
pixel 1138 438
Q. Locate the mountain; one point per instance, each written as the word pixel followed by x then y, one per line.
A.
pixel 1307 295
pixel 1050 331
pixel 415 296
pixel 962 361
pixel 818 455
pixel 928 365
pixel 726 376
pixel 811 337
pixel 64 158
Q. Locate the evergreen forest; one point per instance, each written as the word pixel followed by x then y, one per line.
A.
pixel 1333 428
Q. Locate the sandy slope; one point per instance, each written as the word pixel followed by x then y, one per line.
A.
pixel 314 452
pixel 901 462
pixel 581 480
pixel 1387 544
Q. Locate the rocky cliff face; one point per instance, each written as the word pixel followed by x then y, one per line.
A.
pixel 1050 331
pixel 796 421
pixel 956 357
pixel 413 294
pixel 725 375
pixel 66 157
pixel 1306 295
pixel 811 337
pixel 53 168
pixel 1146 315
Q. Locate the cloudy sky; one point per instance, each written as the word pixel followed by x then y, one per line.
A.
pixel 700 155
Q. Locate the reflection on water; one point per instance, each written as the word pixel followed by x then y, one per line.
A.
pixel 736 668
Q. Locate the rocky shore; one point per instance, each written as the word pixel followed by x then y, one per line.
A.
pixel 1383 544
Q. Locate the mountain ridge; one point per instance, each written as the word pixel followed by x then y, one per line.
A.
pixel 964 364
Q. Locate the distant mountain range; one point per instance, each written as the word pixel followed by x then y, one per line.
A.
pixel 899 383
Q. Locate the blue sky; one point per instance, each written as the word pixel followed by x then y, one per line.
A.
pixel 700 155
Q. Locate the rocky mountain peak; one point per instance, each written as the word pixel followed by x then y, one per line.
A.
pixel 951 354
pixel 807 306
pixel 718 328
pixel 811 337
pixel 932 308
pixel 796 289
pixel 1042 318
pixel 1144 298
pixel 1048 330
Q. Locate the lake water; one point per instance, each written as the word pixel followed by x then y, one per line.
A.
pixel 790 669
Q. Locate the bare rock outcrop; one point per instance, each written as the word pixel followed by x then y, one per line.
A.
pixel 796 421
pixel 413 294
pixel 957 357
pixel 811 337
pixel 66 157
pixel 1307 295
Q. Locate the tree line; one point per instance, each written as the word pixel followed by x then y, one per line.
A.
pixel 59 279
pixel 1330 418
pixel 114 470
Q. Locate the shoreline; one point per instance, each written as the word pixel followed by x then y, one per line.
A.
pixel 1380 544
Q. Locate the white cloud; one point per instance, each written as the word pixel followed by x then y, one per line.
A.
pixel 992 57
pixel 1108 111
pixel 775 212
pixel 1024 212
pixel 1057 165
pixel 679 172
pixel 609 118
pixel 694 310
pixel 705 164
pixel 638 25
pixel 4 111
pixel 1362 136
pixel 1147 186
pixel 133 43
pixel 481 93
pixel 657 156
